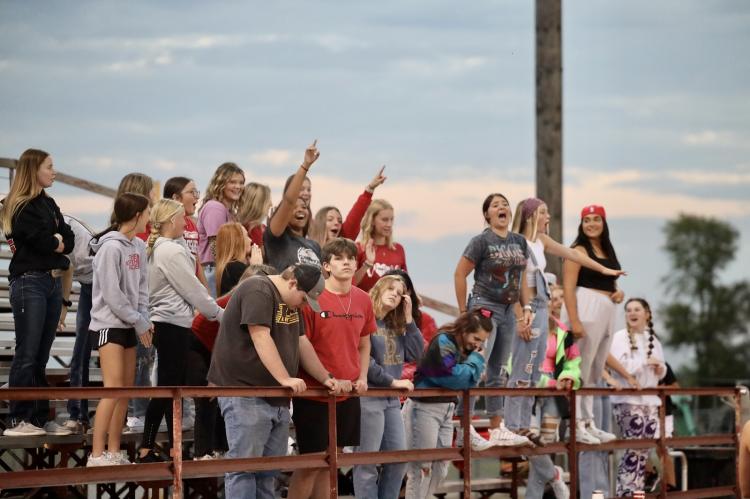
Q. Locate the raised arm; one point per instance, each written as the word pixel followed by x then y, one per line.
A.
pixel 283 214
pixel 582 259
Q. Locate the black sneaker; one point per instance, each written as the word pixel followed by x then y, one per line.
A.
pixel 151 457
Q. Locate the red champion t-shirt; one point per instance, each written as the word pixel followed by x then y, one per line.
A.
pixel 335 332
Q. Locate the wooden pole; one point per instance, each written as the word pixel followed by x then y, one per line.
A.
pixel 64 178
pixel 549 117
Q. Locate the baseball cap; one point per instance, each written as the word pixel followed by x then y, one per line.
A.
pixel 310 280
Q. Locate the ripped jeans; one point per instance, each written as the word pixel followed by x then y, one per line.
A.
pixel 526 361
pixel 427 426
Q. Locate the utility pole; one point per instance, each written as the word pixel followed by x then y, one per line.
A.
pixel 549 117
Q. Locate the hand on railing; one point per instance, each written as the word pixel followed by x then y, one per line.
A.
pixel 403 384
pixel 296 384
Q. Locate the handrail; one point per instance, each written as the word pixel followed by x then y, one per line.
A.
pixel 177 470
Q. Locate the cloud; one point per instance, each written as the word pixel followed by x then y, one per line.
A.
pixel 444 65
pixel 165 165
pixel 337 43
pixel 711 178
pixel 713 138
pixel 272 157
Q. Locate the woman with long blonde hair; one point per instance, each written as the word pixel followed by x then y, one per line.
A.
pixel 174 293
pixel 328 223
pixel 219 206
pixel 234 252
pixel 397 340
pixel 138 183
pixel 254 208
pixel 39 239
pixel 377 251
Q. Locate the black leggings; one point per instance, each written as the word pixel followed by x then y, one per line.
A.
pixel 209 433
pixel 172 343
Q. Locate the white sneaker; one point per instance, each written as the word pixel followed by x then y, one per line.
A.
pixel 102 460
pixel 25 429
pixel 75 427
pixel 559 487
pixel 218 454
pixel 583 436
pixel 187 424
pixel 603 436
pixel 135 425
pixel 52 428
pixel 205 457
pixel 117 458
pixel 478 442
pixel 503 437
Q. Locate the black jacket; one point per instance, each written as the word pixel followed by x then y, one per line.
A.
pixel 32 240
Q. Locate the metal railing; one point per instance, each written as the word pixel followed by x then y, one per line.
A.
pixel 177 470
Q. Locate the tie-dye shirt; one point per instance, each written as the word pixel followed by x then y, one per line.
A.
pixel 443 366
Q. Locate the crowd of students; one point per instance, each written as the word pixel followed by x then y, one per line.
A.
pixel 260 295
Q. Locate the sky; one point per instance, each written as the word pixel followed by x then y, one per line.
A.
pixel 656 109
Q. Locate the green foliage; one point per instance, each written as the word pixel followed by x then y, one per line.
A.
pixel 704 314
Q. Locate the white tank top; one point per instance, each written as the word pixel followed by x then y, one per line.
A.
pixel 538 249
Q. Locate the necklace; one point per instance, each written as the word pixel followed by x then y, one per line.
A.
pixel 346 310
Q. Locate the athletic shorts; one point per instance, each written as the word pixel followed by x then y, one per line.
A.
pixel 124 337
pixel 311 424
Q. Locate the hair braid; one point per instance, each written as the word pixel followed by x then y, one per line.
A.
pixel 651 337
pixel 152 237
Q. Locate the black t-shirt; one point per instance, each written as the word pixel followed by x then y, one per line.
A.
pixel 235 361
pixel 668 379
pixel 498 264
pixel 288 249
pixel 231 276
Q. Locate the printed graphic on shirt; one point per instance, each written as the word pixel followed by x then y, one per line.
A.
pixel 380 269
pixel 134 261
pixel 191 241
pixel 391 356
pixel 505 258
pixel 12 245
pixel 306 255
pixel 286 315
pixel 327 314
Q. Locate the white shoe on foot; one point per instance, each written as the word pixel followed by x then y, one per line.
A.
pixel 603 436
pixel 52 428
pixel 584 437
pixel 478 442
pixel 24 429
pixel 559 487
pixel 101 460
pixel 503 437
pixel 117 458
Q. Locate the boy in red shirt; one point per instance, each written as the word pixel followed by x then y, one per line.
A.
pixel 340 335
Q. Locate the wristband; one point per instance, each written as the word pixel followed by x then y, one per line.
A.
pixel 67 303
pixel 528 307
pixel 368 264
pixel 303 167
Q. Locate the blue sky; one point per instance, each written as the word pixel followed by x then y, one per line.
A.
pixel 656 108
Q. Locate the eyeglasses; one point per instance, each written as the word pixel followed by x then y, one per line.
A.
pixel 194 192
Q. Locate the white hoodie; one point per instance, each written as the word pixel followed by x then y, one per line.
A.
pixel 636 363
pixel 120 288
pixel 175 291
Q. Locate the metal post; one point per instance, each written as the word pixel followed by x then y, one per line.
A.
pixel 332 449
pixel 663 451
pixel 177 447
pixel 466 451
pixel 572 452
pixel 549 124
pixel 737 442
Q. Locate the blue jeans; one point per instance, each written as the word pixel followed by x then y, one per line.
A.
pixel 497 351
pixel 144 365
pixel 593 466
pixel 78 409
pixel 526 360
pixel 427 426
pixel 209 270
pixel 382 429
pixel 36 301
pixel 254 429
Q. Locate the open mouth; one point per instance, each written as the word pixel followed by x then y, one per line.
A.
pixel 502 216
pixel 300 216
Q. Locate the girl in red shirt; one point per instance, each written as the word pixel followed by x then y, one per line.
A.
pixel 377 251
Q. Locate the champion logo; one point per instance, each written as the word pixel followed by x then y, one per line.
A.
pixel 325 314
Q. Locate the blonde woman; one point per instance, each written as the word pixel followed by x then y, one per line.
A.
pixel 175 292
pixel 397 340
pixel 528 347
pixel 378 252
pixel 329 224
pixel 138 183
pixel 39 239
pixel 254 208
pixel 219 207
pixel 119 317
pixel 234 251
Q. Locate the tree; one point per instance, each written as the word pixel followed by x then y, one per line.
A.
pixel 705 314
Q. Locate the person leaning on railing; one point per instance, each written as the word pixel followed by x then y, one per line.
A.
pixel 453 360
pixel 39 239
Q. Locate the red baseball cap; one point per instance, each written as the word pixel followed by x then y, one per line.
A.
pixel 594 209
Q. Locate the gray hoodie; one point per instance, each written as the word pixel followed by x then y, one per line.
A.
pixel 175 290
pixel 80 258
pixel 120 290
